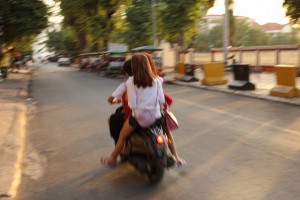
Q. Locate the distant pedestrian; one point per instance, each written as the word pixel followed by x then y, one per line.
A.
pixel 29 65
pixel 17 66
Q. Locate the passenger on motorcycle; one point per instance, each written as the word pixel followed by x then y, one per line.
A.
pixel 117 119
pixel 120 93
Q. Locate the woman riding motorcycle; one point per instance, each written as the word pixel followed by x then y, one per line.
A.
pixel 117 119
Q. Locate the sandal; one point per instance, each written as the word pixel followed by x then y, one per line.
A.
pixel 104 161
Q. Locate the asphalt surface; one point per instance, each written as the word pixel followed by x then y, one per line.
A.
pixel 236 147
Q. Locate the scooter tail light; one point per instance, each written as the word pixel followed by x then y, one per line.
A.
pixel 160 139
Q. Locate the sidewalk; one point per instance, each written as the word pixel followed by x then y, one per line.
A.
pixel 263 82
pixel 13 94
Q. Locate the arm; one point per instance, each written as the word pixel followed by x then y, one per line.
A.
pixel 119 91
pixel 117 94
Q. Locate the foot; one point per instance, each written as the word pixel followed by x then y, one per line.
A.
pixel 180 162
pixel 108 163
pixel 171 161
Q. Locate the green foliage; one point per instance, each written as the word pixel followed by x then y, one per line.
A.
pixel 180 19
pixel 286 38
pixel 21 19
pixel 62 41
pixel 121 26
pixel 138 24
pixel 292 10
pixel 98 22
pixel 93 20
pixel 23 45
pixel 209 39
pixel 75 17
pixel 177 21
pixel 245 35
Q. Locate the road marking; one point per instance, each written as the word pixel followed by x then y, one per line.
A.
pixel 18 164
pixel 238 116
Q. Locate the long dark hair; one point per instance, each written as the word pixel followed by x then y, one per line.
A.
pixel 142 74
pixel 152 64
pixel 127 67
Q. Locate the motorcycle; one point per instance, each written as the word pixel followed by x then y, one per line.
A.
pixel 147 151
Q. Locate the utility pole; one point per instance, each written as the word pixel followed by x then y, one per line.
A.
pixel 226 30
pixel 154 24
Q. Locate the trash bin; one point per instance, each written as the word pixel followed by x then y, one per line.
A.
pixel 189 73
pixel 4 71
pixel 241 74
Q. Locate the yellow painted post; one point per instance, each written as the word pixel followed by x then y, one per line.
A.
pixel 77 60
pixel 180 71
pixel 286 81
pixel 214 73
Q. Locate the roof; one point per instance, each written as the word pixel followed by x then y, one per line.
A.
pixel 90 54
pixel 255 25
pixel 146 48
pixel 101 53
pixel 271 26
pixel 113 52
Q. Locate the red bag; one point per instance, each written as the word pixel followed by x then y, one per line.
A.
pixel 170 119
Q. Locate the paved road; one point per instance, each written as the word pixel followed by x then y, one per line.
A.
pixel 236 147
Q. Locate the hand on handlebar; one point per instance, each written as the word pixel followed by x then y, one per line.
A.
pixel 113 100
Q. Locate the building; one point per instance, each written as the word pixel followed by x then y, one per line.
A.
pixel 210 21
pixel 275 28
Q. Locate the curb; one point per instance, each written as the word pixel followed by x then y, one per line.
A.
pixel 237 92
pixel 13 146
pixel 13 149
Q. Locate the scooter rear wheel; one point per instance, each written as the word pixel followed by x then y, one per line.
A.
pixel 156 173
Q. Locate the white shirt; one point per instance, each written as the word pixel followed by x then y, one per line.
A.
pixel 121 89
pixel 148 98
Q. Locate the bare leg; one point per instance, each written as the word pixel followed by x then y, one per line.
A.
pixel 125 132
pixel 172 148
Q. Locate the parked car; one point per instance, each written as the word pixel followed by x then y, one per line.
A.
pixel 54 58
pixel 64 61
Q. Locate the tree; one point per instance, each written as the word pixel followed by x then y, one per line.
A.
pixel 62 41
pixel 21 20
pixel 138 23
pixel 76 20
pixel 231 23
pixel 180 19
pixel 93 20
pixel 108 9
pixel 286 38
pixel 292 10
pixel 209 39
pixel 245 35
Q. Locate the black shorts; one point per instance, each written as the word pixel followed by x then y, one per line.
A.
pixel 133 122
pixel 116 122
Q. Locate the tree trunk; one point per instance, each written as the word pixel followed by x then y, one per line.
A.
pixel 95 47
pixel 105 43
pixel 82 41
